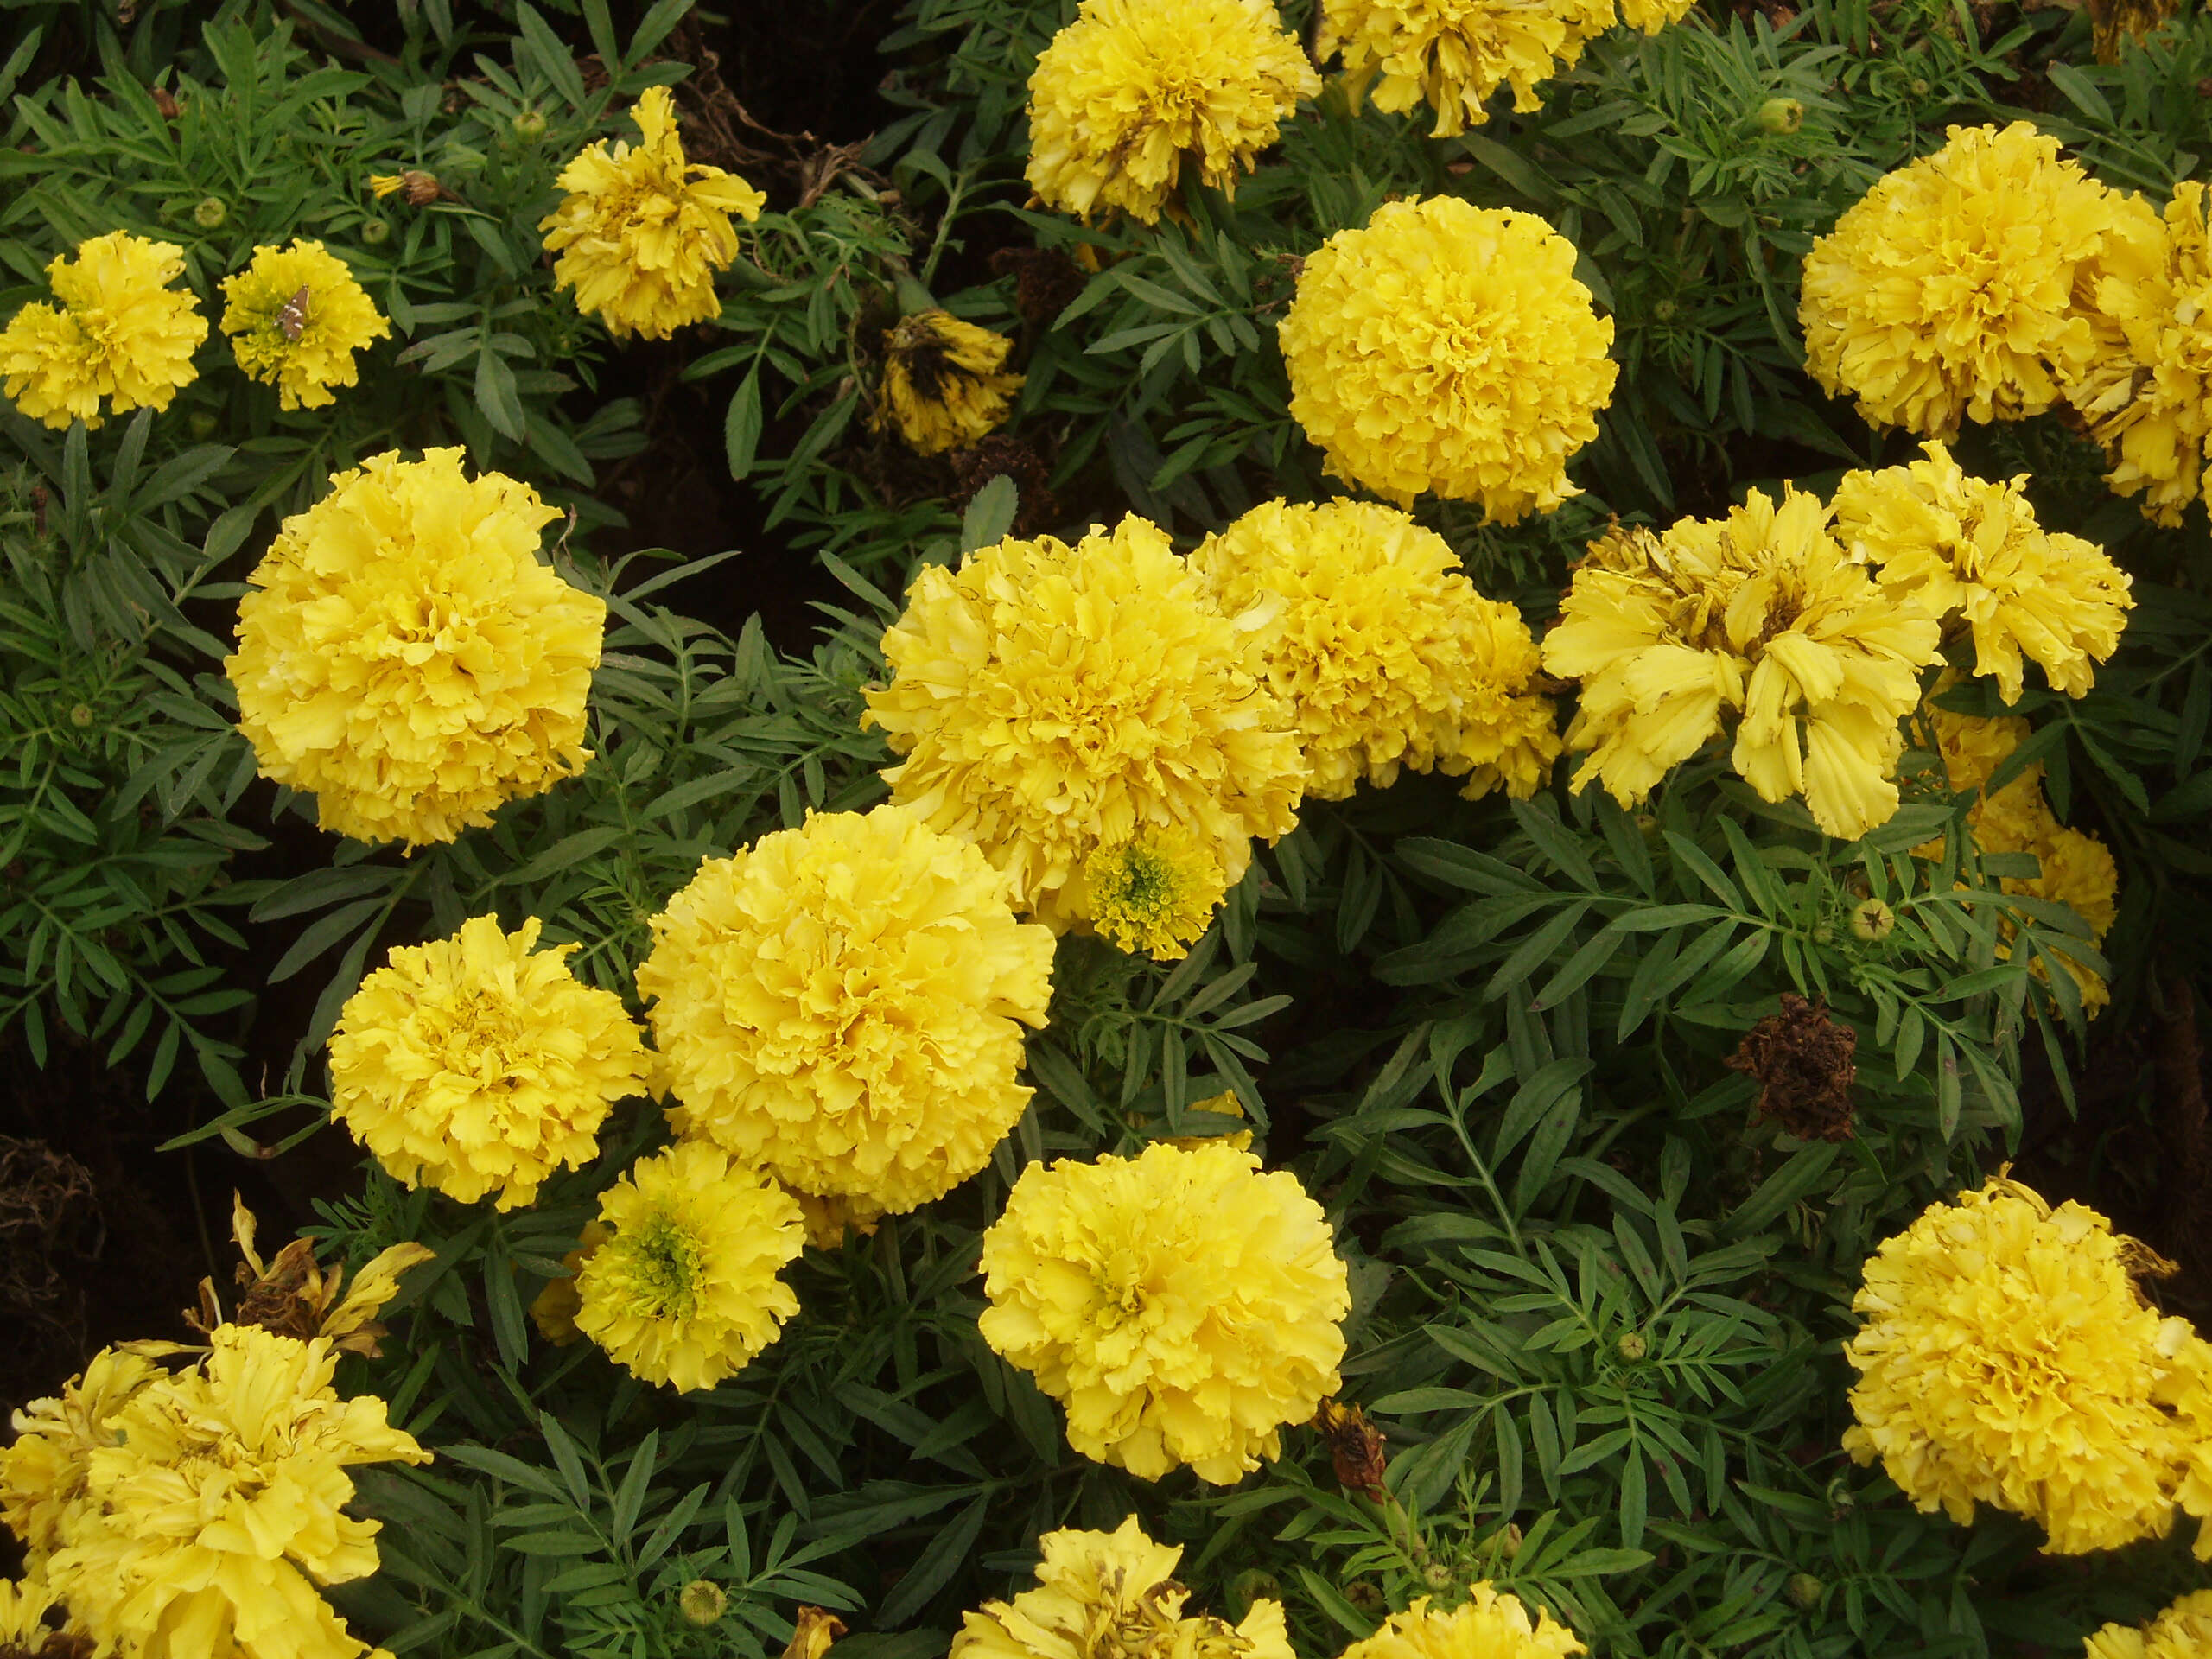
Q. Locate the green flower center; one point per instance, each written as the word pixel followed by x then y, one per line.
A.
pixel 661 1267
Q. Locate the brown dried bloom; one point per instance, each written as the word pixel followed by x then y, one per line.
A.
pixel 293 1297
pixel 1045 280
pixel 1802 1060
pixel 999 456
pixel 1355 1447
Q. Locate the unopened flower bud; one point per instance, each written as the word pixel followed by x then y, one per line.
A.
pixel 703 1600
pixel 210 212
pixel 202 423
pixel 1252 1585
pixel 1632 1345
pixel 1781 115
pixel 1918 87
pixel 529 126
pixel 1872 920
pixel 1366 1595
pixel 81 716
pixel 1436 1576
pixel 1509 1540
pixel 375 233
pixel 1804 1590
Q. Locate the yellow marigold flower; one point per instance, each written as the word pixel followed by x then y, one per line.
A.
pixel 299 316
pixel 1760 612
pixel 1052 700
pixel 642 231
pixel 1652 15
pixel 218 1506
pixel 1113 1592
pixel 684 1290
pixel 43 1472
pixel 2146 393
pixel 1953 287
pixel 1489 1624
pixel 2181 1632
pixel 23 1628
pixel 1384 649
pixel 1130 89
pixel 843 1004
pixel 1181 1304
pixel 1454 55
pixel 120 332
pixel 406 657
pixel 1961 547
pixel 941 382
pixel 471 1066
pixel 2006 1358
pixel 1447 348
pixel 1156 893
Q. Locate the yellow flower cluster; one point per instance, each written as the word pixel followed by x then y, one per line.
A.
pixel 1131 89
pixel 1761 613
pixel 1181 1304
pixel 196 1513
pixel 1955 287
pixel 1383 649
pixel 298 317
pixel 1962 548
pixel 1155 893
pixel 642 231
pixel 843 1004
pixel 1454 55
pixel 2181 1632
pixel 1113 1593
pixel 471 1066
pixel 2147 396
pixel 683 1288
pixel 120 332
pixel 2006 1358
pixel 1449 348
pixel 943 383
pixel 1489 1624
pixel 406 657
pixel 1051 701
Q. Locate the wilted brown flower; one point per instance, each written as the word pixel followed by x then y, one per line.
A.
pixel 1355 1447
pixel 293 1297
pixel 1802 1060
pixel 1045 280
pixel 999 456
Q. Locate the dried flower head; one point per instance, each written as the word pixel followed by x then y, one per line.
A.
pixel 943 382
pixel 119 333
pixel 1355 1448
pixel 1802 1060
pixel 297 317
pixel 292 1295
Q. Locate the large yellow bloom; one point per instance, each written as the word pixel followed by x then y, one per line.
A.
pixel 299 316
pixel 215 1507
pixel 1953 286
pixel 1759 614
pixel 683 1289
pixel 43 1473
pixel 1961 547
pixel 1447 348
pixel 1113 1592
pixel 120 332
pixel 843 1003
pixel 407 658
pixel 2147 391
pixel 1053 700
pixel 1384 648
pixel 1489 1624
pixel 642 231
pixel 944 383
pixel 1181 1304
pixel 1454 55
pixel 471 1066
pixel 2181 1632
pixel 1132 88
pixel 2006 1358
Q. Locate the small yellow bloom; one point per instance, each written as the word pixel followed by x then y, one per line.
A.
pixel 684 1290
pixel 1489 1624
pixel 1454 55
pixel 120 332
pixel 1132 90
pixel 642 231
pixel 2181 1632
pixel 298 317
pixel 1156 893
pixel 943 386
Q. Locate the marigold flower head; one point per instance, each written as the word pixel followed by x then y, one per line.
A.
pixel 1052 700
pixel 1761 613
pixel 2146 393
pixel 298 317
pixel 1961 547
pixel 684 1290
pixel 1101 1593
pixel 474 1066
pixel 2181 1632
pixel 215 1506
pixel 1181 1304
pixel 1131 89
pixel 1384 648
pixel 1489 1624
pixel 2006 1358
pixel 843 1003
pixel 941 382
pixel 1448 348
pixel 44 1471
pixel 642 231
pixel 1454 55
pixel 1156 893
pixel 120 332
pixel 406 657
pixel 24 1605
pixel 1952 287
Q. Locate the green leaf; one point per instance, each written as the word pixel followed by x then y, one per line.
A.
pixel 496 395
pixel 1782 1189
pixel 990 514
pixel 742 426
pixel 934 1567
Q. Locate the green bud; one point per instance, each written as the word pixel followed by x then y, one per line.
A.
pixel 375 231
pixel 1804 1592
pixel 529 126
pixel 1632 1345
pixel 703 1600
pixel 210 213
pixel 1918 87
pixel 1664 311
pixel 1436 1576
pixel 81 716
pixel 1781 115
pixel 1366 1595
pixel 1873 921
pixel 202 423
pixel 1252 1585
